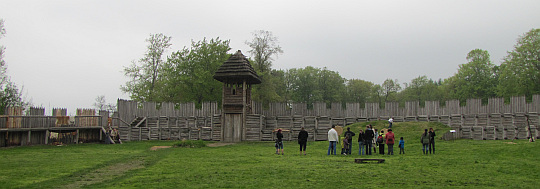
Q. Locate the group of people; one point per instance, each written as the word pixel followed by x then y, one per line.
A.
pixel 368 139
pixel 428 141
pixel 302 140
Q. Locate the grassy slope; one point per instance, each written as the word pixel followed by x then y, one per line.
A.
pixel 461 163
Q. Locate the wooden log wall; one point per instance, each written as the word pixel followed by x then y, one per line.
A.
pixel 497 119
pixel 35 127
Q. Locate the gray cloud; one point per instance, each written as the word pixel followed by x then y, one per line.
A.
pixel 66 53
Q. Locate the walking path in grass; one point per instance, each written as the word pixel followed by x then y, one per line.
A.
pixel 106 173
pixel 218 144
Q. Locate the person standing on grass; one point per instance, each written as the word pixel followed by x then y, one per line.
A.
pixel 431 140
pixel 380 141
pixel 390 142
pixel 390 121
pixel 332 139
pixel 345 145
pixel 361 142
pixel 374 140
pixel 279 137
pixel 425 141
pixel 368 138
pixel 401 145
pixel 302 140
pixel 350 134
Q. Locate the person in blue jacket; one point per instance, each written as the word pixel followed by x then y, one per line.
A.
pixel 401 145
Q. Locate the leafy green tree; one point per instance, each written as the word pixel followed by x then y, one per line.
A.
pixel 145 74
pixel 377 94
pixel 520 71
pixel 189 72
pixel 358 90
pixel 331 85
pixel 389 89
pixel 282 85
pixel 475 79
pixel 421 89
pixel 304 85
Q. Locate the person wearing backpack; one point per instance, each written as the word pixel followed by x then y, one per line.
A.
pixel 425 141
pixel 368 138
pixel 380 141
pixel 374 140
pixel 390 142
pixel 349 134
pixel 431 140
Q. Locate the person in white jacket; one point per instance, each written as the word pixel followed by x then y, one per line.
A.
pixel 333 139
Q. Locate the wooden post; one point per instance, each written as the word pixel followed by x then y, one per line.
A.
pixel 77 137
pixel 29 137
pixel 261 127
pixel 222 118
pixel 316 129
pixel 47 136
pixel 159 128
pixel 244 107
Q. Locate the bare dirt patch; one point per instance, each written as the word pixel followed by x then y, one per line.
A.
pixel 154 148
pixel 219 144
pixel 106 173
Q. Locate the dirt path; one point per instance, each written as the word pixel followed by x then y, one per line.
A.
pixel 219 144
pixel 154 148
pixel 106 173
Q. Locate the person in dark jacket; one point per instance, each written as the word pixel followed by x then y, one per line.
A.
pixel 302 140
pixel 431 140
pixel 425 141
pixel 361 142
pixel 279 140
pixel 368 137
pixel 349 134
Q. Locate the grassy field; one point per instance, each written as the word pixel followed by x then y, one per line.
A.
pixel 460 163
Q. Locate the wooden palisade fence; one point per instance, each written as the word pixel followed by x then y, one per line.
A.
pixel 36 128
pixel 491 121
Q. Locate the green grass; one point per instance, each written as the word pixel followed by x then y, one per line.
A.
pixel 459 163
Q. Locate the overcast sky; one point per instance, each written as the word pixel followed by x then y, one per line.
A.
pixel 66 53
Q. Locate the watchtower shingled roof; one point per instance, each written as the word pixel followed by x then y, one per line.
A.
pixel 237 69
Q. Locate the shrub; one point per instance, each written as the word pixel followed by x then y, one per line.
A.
pixel 190 144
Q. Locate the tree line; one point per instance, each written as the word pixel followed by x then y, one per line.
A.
pixel 186 76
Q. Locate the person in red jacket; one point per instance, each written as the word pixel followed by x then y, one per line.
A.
pixel 390 142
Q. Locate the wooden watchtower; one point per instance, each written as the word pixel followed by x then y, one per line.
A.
pixel 237 76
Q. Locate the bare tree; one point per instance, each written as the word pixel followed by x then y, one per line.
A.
pixel 100 103
pixel 263 47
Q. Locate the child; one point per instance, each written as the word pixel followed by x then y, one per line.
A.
pixel 401 145
pixel 277 147
pixel 343 143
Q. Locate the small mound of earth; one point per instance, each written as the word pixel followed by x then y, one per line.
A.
pixel 154 148
pixel 219 144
